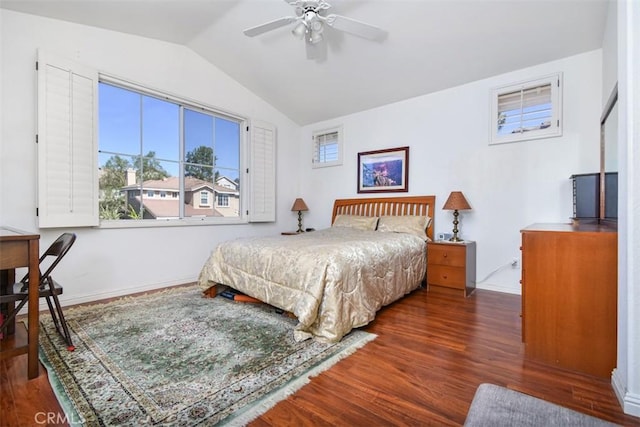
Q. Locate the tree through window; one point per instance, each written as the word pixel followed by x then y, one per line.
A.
pixel 151 146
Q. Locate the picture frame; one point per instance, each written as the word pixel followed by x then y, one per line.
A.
pixel 383 171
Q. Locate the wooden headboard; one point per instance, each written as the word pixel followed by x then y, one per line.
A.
pixel 393 206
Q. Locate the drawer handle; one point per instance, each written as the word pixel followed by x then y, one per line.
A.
pixel 444 276
pixel 445 255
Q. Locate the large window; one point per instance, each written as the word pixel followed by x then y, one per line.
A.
pixel 527 110
pixel 153 157
pixel 152 145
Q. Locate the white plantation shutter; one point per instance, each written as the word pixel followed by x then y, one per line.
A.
pixel 327 147
pixel 527 110
pixel 529 97
pixel 262 172
pixel 67 143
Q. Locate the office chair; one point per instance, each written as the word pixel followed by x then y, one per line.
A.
pixel 49 288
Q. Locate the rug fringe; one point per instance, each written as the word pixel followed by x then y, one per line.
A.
pixel 242 418
pixel 61 393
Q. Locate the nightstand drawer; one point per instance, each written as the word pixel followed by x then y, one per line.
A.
pixel 451 255
pixel 442 275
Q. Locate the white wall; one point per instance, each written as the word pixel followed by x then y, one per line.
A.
pixel 509 186
pixel 610 53
pixel 108 262
pixel 626 376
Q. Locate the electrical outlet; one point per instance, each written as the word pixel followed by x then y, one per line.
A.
pixel 514 262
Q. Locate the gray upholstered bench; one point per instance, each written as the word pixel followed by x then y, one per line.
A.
pixel 494 406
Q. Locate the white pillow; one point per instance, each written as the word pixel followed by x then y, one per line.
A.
pixel 410 224
pixel 356 221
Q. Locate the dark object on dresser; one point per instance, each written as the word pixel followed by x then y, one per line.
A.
pixel 586 196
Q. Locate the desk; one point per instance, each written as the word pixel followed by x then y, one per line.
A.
pixel 22 249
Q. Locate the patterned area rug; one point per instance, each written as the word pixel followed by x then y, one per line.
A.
pixel 175 358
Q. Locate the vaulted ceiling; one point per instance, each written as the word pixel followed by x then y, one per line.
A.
pixel 430 45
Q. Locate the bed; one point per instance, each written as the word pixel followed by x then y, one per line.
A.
pixel 335 279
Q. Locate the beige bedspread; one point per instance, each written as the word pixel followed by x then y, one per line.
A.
pixel 333 280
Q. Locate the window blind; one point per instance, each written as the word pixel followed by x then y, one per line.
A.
pixel 327 147
pixel 527 110
pixel 67 143
pixel 262 172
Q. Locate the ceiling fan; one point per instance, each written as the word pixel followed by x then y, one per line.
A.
pixel 311 19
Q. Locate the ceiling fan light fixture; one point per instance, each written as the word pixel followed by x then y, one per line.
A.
pixel 315 37
pixel 310 20
pixel 316 26
pixel 299 30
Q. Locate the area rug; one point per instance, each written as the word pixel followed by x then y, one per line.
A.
pixel 175 358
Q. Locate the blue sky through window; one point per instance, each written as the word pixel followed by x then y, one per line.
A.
pixel 131 124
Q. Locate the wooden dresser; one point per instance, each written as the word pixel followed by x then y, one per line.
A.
pixel 569 296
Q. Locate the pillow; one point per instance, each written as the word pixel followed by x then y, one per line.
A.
pixel 356 221
pixel 410 224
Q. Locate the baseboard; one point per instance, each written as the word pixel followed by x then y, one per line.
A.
pixel 499 288
pixel 630 403
pixel 65 302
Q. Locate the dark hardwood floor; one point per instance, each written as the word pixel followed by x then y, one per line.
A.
pixel 432 352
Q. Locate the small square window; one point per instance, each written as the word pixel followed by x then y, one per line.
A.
pixel 527 110
pixel 327 147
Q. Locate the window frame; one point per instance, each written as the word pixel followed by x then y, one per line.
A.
pixel 74 88
pixel 204 198
pixel 243 122
pixel 315 161
pixel 554 130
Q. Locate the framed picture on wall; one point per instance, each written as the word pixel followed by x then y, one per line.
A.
pixel 383 171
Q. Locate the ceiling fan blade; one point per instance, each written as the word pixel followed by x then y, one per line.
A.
pixel 268 26
pixel 355 27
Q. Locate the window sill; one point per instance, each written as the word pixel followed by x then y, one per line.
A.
pixel 154 223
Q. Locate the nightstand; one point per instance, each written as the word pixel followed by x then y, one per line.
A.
pixel 451 266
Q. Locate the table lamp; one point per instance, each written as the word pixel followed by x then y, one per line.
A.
pixel 299 205
pixel 456 202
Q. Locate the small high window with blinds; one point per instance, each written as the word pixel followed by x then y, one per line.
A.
pixel 327 147
pixel 527 110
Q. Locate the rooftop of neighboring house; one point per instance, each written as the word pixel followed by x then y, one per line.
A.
pixel 190 184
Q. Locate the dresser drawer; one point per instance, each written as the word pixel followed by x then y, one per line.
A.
pixel 451 255
pixel 450 277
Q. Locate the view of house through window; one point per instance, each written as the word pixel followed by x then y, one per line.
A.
pixel 150 169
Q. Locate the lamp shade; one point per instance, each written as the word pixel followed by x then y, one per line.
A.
pixel 456 201
pixel 299 205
